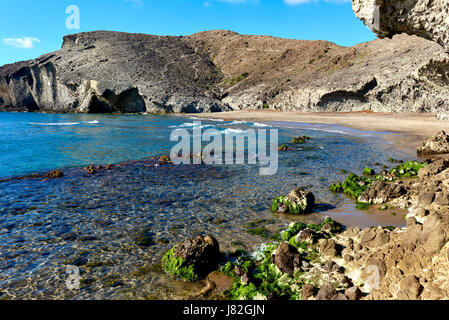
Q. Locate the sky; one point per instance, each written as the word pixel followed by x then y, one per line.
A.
pixel 30 28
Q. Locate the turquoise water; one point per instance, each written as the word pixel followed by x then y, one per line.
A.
pixel 95 220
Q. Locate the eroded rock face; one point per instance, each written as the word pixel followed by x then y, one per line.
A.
pixel 221 70
pixel 424 18
pixel 104 72
pixel 438 144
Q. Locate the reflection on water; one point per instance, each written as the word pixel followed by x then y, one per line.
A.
pixel 117 224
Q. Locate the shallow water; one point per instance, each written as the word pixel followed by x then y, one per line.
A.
pixel 94 221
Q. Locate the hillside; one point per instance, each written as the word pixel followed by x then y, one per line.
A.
pixel 219 70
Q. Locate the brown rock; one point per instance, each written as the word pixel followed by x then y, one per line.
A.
pixel 442 198
pixel 434 168
pixel 221 281
pixel 287 258
pixel 327 292
pixel 328 247
pixel 427 198
pixel 307 291
pixel 409 288
pixel 438 144
pixel 353 293
pixel 305 235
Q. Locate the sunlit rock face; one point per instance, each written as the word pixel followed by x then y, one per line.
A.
pixel 426 18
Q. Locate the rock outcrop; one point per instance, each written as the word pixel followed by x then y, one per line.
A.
pixel 424 18
pixel 221 70
pixel 438 144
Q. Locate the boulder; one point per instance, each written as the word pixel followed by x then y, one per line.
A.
pixel 353 293
pixel 409 288
pixel 287 258
pixel 307 291
pixel 54 174
pixel 297 201
pixel 327 292
pixel 192 259
pixel 327 247
pixel 437 144
pixel 434 168
pixel 305 235
pixel 381 192
pixel 424 18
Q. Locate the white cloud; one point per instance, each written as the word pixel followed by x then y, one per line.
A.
pixel 22 43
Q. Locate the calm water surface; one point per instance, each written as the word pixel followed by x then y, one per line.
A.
pixel 96 222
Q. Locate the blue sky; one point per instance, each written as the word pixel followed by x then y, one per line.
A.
pixel 29 28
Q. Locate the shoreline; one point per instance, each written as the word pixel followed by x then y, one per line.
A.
pixel 405 130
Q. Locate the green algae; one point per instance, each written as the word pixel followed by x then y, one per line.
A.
pixel 301 140
pixel 176 267
pixel 408 169
pixel 291 207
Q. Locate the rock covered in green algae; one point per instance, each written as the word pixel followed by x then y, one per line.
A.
pixel 376 189
pixel 369 171
pixel 408 170
pixel 282 270
pixel 297 201
pixel 301 140
pixel 193 259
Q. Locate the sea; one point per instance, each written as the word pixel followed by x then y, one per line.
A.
pixel 110 229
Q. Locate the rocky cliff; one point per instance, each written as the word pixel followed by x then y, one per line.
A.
pixel 221 70
pixel 426 18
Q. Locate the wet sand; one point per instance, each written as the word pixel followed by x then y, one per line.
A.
pixel 408 129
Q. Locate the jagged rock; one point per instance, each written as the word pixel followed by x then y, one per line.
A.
pixel 287 258
pixel 442 198
pixel 374 237
pixel 438 144
pixel 327 292
pixel 297 201
pixel 434 168
pixel 381 192
pixel 327 247
pixel 427 198
pixel 54 174
pixel 305 235
pixel 303 198
pixel 424 18
pixel 331 266
pixel 353 293
pixel 410 288
pixel 307 291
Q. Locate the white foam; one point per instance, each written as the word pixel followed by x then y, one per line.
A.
pixel 56 124
pixel 233 131
pixel 192 125
pixel 63 123
pixel 261 125
pixel 233 123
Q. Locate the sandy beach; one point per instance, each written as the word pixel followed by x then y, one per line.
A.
pixel 414 127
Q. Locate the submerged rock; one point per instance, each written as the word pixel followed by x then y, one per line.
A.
pixel 54 174
pixel 438 144
pixel 193 259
